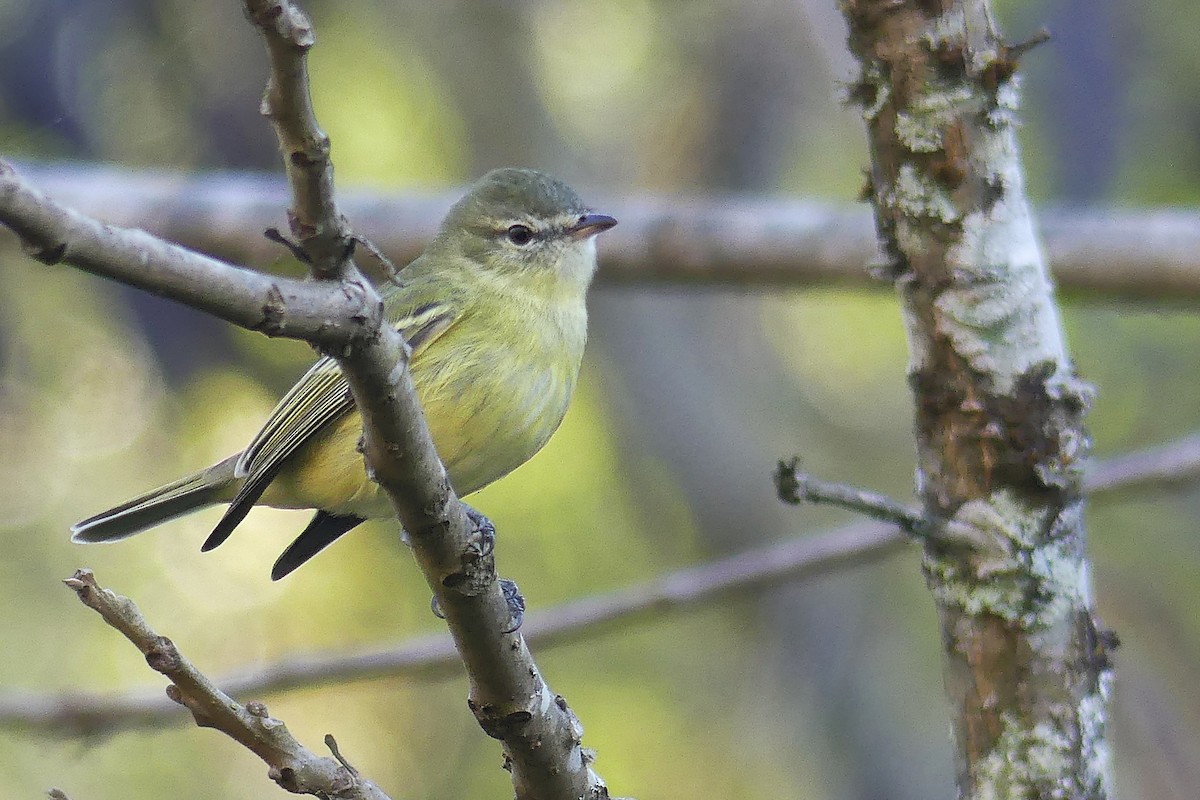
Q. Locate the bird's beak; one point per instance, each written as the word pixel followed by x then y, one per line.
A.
pixel 589 225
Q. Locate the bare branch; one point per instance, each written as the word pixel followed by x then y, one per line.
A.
pixel 314 218
pixel 1171 465
pixel 291 765
pixel 1128 254
pixel 1164 468
pixel 272 305
pixel 796 487
pixel 434 657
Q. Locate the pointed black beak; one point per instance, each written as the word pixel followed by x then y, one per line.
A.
pixel 589 225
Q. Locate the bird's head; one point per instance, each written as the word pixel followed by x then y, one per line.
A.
pixel 526 225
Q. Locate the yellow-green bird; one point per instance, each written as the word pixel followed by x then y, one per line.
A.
pixel 494 312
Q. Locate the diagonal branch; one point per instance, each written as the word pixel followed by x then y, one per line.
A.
pixel 276 306
pixel 510 700
pixel 293 766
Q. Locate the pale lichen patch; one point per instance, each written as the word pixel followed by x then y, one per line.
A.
pixel 1062 582
pixel 916 195
pixel 1019 570
pixel 920 129
pixel 917 134
pixel 948 28
pixel 1003 114
pixel 1025 762
pixel 1094 748
pixel 882 93
pixel 997 312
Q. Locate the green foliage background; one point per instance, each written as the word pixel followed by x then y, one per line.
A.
pixel 829 689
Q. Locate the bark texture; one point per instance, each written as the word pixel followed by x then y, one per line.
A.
pixel 999 410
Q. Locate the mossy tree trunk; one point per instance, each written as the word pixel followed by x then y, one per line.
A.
pixel 999 409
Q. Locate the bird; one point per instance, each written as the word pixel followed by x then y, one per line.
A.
pixel 495 315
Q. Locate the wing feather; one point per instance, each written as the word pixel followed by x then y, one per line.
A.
pixel 320 397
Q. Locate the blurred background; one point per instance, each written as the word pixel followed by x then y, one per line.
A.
pixel 829 688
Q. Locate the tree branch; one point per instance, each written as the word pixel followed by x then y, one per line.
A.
pixel 1170 466
pixel 434 658
pixel 276 306
pixel 291 765
pixel 1137 255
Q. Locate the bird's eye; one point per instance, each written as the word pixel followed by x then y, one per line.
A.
pixel 520 235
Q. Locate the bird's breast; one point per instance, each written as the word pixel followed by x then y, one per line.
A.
pixel 492 404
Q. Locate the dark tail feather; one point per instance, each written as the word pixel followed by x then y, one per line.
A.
pixel 233 517
pixel 247 495
pixel 213 485
pixel 324 529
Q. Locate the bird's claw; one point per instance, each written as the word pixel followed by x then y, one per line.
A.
pixel 516 605
pixel 484 530
pixel 512 598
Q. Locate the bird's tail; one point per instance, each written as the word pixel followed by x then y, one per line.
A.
pixel 190 493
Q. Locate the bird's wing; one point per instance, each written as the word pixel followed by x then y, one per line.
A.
pixel 317 399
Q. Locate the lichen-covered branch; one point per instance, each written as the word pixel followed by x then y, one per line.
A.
pixel 999 410
pixel 291 765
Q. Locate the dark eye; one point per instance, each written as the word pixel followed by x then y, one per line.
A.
pixel 520 235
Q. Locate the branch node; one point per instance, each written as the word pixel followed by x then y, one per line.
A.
pixel 163 656
pixel 47 253
pixel 515 603
pixel 1005 64
pixel 389 268
pixel 332 744
pixel 499 724
pixel 274 235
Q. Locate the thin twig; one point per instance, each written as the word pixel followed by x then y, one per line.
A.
pixel 796 487
pixel 291 765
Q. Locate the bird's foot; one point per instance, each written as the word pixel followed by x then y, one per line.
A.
pixel 516 605
pixel 483 530
pixel 512 598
